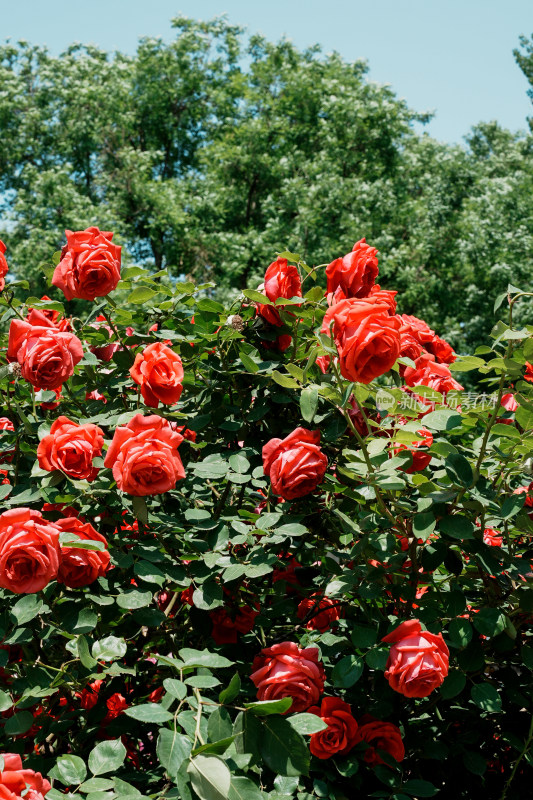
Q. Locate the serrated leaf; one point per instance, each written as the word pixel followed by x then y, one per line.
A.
pixel 107 756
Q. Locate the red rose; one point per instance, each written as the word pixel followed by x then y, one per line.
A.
pixel 528 375
pixel 280 343
pixel 47 356
pixel 427 372
pixel 418 660
pixel 323 363
pixel 89 697
pixel 16 782
pixel 46 316
pixel 226 626
pixel 355 274
pixel 144 456
pixel 366 336
pixel 492 537
pixel 323 610
pixel 286 670
pixel 340 735
pixel 418 450
pixel 29 551
pixel 409 346
pixel 442 351
pixel 80 567
pixel 3 265
pixel 418 329
pixel 382 736
pixel 385 296
pixel 116 704
pixel 296 464
pixel 528 491
pixel 95 395
pixel 281 280
pixel 71 448
pixel 288 573
pixel 159 373
pixel 187 434
pixel 509 403
pixel 89 266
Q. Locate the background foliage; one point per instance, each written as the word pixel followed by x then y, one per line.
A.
pixel 212 152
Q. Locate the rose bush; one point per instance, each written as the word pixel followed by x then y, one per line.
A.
pixel 269 549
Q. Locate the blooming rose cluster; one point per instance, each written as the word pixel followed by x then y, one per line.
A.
pixel 286 670
pixel 31 554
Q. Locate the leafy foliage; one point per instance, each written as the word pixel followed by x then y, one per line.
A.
pixel 138 684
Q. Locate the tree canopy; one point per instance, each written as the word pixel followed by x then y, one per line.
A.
pixel 214 151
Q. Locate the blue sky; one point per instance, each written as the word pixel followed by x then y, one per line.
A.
pixel 451 56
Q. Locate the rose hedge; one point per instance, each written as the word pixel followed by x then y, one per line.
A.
pixel 265 551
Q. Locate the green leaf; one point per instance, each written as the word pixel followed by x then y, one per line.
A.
pixel 248 362
pixel 107 756
pixel 486 697
pixel 453 684
pixel 141 295
pixel 257 297
pixel 6 701
pixel 489 621
pixel 109 648
pixel 459 633
pixel 284 380
pixel 284 749
pixel 208 596
pixel 97 785
pixel 140 509
pixel 377 659
pixel 19 723
pixel 442 420
pixel 512 505
pixel 418 788
pixel 219 725
pixel 83 651
pixel 233 688
pixel 71 769
pixel 424 525
pixel 347 671
pixel 134 599
pixel 263 708
pixel 210 777
pixel 457 526
pixel 203 658
pixel 307 724
pixel 149 712
pixel 363 637
pixel 27 608
pixel 309 402
pixel 244 789
pixel 172 750
pixel 175 688
pixel 459 470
